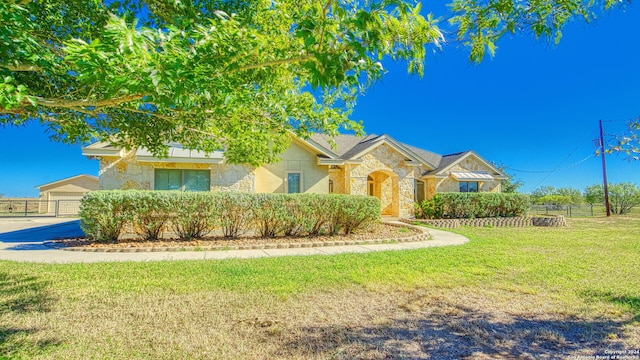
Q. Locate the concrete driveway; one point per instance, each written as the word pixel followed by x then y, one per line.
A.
pixel 21 239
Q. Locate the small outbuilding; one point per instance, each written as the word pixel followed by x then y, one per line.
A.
pixel 63 196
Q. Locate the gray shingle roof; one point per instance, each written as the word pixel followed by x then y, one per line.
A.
pixel 348 146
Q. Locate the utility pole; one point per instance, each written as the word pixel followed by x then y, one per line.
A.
pixel 604 173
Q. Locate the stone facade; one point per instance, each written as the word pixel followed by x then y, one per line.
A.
pixel 450 184
pixel 392 179
pixel 385 169
pixel 127 173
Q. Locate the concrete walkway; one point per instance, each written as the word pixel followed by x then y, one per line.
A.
pixel 22 240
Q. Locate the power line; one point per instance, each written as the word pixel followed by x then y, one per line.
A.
pixel 565 159
pixel 554 170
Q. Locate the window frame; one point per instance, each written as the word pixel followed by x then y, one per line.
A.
pixel 300 185
pixel 467 186
pixel 182 179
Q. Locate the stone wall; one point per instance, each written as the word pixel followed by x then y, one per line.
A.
pixel 556 221
pixel 387 160
pixel 126 174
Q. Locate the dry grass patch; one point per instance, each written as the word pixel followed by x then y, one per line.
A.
pixel 509 293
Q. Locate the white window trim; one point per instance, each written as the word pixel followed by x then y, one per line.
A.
pixel 286 180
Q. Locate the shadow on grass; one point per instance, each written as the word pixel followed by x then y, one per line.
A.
pixel 631 302
pixel 21 296
pixel 465 333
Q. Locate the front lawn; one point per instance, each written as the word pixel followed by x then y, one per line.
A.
pixel 510 292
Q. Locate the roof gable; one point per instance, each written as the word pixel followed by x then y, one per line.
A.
pixel 450 160
pixel 69 179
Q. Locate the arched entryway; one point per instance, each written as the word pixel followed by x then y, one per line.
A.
pixel 383 184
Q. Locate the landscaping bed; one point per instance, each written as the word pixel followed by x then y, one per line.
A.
pixel 381 233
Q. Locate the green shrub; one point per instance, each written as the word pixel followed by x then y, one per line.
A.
pixel 456 205
pixel 233 211
pixel 350 213
pixel 194 214
pixel 151 211
pixel 103 214
pixel 270 213
pixel 191 215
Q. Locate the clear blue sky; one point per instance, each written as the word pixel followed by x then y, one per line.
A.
pixel 533 107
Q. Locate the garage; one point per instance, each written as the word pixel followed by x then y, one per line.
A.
pixel 62 197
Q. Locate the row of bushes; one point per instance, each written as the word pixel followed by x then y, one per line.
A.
pixel 472 205
pixel 104 214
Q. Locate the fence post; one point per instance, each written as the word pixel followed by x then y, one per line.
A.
pixel 26 205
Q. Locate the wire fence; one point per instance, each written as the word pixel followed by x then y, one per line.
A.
pixel 568 210
pixel 52 208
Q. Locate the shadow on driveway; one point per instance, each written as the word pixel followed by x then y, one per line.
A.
pixel 32 238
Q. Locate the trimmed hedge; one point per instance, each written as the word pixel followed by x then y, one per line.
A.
pixel 104 214
pixel 456 205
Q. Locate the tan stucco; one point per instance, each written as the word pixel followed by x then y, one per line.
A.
pixel 72 188
pixel 271 178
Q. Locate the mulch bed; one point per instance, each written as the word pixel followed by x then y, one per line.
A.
pixel 379 234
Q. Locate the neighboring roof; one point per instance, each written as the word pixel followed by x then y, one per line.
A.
pixel 91 177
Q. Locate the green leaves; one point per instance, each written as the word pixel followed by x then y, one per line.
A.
pixel 226 75
pixel 480 24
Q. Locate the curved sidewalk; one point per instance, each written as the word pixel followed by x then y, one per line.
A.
pixel 23 242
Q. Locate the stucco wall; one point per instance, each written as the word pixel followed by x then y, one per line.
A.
pixel 270 178
pixel 119 173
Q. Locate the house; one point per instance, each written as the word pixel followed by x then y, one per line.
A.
pixel 378 165
pixel 63 196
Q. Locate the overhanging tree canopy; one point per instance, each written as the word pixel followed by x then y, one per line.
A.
pixel 233 75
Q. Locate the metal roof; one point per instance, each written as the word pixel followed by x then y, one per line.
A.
pixel 471 176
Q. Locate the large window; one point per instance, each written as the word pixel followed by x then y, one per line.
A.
pixel 294 182
pixel 469 186
pixel 184 180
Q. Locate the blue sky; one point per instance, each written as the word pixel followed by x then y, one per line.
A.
pixel 534 107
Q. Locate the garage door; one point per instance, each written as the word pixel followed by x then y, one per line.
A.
pixel 67 203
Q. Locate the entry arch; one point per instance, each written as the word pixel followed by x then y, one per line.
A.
pixel 383 184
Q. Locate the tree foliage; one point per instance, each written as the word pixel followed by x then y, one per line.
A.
pixel 622 196
pixel 629 143
pixel 237 76
pixel 549 195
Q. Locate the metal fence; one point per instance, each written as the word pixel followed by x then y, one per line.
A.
pixel 52 208
pixel 567 210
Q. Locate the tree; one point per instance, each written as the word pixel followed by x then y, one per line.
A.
pixel 622 196
pixel 238 76
pixel 594 194
pixel 510 184
pixel 549 195
pixel 630 142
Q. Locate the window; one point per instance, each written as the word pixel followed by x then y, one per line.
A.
pixel 294 182
pixel 468 186
pixel 419 191
pixel 183 180
pixel 330 186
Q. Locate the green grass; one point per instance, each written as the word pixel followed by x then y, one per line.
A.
pixel 589 270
